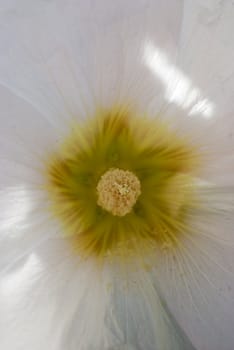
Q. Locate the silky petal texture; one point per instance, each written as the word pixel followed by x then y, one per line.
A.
pixel 80 306
pixel 62 59
pixel 85 49
pixel 49 278
pixel 23 204
pixel 202 269
pixel 200 90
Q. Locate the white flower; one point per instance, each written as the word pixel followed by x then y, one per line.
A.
pixel 60 61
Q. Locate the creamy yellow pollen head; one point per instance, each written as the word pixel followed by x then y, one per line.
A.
pixel 120 183
pixel 118 191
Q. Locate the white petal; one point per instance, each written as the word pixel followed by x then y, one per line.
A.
pixel 27 137
pixel 140 314
pixel 201 85
pixel 68 57
pixel 51 300
pixel 208 59
pixel 197 277
pixel 43 294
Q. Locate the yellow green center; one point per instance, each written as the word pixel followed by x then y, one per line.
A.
pixel 121 182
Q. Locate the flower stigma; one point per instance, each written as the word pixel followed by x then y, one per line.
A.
pixel 118 191
pixel 121 183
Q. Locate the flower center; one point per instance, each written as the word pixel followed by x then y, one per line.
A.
pixel 118 191
pixel 122 184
